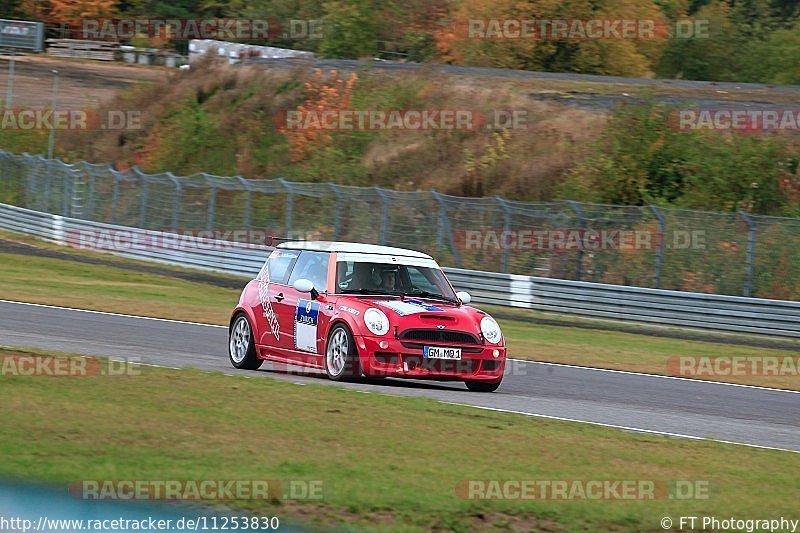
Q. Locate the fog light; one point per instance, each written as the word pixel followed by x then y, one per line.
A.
pixel 383 345
pixel 495 353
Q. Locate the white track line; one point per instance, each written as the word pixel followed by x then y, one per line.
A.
pixel 114 314
pixel 615 426
pixel 692 380
pixel 588 368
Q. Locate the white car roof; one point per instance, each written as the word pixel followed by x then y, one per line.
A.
pixel 352 247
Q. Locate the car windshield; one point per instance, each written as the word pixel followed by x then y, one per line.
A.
pixel 397 279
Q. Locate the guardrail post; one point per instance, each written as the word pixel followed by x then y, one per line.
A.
pixel 29 178
pixel 142 196
pixel 43 186
pixel 66 189
pixel 384 215
pixel 506 230
pixel 249 204
pixel 289 205
pixel 751 252
pixel 445 226
pixel 176 206
pixel 212 207
pixel 582 224
pixel 77 193
pixel 115 199
pixel 337 215
pixel 662 228
pixel 90 197
pixel 442 221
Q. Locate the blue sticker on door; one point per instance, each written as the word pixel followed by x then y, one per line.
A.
pixel 306 318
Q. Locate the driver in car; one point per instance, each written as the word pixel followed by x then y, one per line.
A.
pixel 388 279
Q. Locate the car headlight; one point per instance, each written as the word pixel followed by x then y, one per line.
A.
pixel 376 321
pixel 490 330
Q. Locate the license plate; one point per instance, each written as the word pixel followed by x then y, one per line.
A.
pixel 437 352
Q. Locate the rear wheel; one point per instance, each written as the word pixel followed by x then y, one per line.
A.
pixel 241 347
pixel 341 355
pixel 482 386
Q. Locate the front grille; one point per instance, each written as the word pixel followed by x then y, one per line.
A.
pixel 439 335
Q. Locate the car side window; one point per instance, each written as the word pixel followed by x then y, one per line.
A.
pixel 312 266
pixel 277 266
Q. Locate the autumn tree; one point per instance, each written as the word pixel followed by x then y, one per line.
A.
pixel 609 55
pixel 324 95
pixel 73 11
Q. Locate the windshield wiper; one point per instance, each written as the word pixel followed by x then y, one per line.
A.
pixel 426 294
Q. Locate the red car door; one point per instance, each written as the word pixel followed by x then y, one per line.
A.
pixel 301 316
pixel 271 288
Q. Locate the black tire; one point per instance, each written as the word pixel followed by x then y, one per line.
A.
pixel 482 386
pixel 348 365
pixel 241 356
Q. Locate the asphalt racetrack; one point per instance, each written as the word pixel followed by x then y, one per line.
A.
pixel 678 407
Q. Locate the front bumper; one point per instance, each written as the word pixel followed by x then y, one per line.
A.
pixel 394 359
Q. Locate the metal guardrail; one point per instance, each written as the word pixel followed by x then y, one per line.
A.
pixel 145 245
pixel 83 49
pixel 731 314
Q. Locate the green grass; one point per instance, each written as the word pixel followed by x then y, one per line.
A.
pixel 106 288
pixel 385 462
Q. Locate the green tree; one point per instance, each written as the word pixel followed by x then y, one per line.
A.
pixel 349 29
pixel 711 56
pixel 643 159
pixel 775 59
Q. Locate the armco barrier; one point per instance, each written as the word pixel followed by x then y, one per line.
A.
pixel 731 314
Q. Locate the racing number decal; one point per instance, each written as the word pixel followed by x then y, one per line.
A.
pixel 408 306
pixel 306 319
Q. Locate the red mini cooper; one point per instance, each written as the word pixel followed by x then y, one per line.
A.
pixel 362 310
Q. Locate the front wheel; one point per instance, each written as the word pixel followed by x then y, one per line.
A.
pixel 341 355
pixel 482 386
pixel 241 347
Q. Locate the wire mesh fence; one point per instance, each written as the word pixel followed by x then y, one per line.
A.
pixel 646 246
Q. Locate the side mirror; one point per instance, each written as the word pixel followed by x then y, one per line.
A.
pixel 463 296
pixel 305 285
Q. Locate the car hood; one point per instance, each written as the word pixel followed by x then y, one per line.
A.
pixel 415 312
